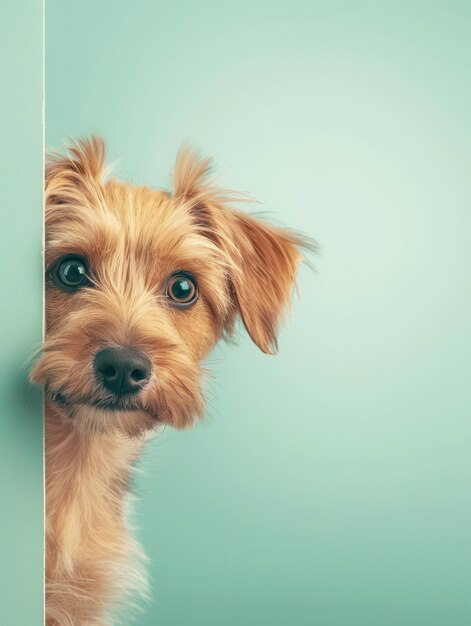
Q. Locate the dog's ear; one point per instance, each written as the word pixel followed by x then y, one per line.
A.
pixel 264 263
pixel 262 259
pixel 74 176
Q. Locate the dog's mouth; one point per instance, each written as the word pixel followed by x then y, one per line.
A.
pixel 115 405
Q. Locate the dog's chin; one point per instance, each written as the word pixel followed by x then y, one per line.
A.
pixel 91 419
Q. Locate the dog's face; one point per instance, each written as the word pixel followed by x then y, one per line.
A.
pixel 140 285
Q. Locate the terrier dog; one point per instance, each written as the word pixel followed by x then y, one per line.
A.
pixel 140 285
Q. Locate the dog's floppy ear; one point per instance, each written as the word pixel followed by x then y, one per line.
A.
pixel 262 259
pixel 73 176
pixel 265 259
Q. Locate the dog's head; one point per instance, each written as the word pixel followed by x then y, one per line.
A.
pixel 140 285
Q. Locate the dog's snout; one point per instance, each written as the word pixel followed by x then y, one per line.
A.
pixel 122 370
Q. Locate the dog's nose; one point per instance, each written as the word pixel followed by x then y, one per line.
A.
pixel 122 370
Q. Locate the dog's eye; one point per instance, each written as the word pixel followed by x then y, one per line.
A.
pixel 182 289
pixel 70 273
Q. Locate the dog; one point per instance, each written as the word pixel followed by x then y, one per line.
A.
pixel 140 285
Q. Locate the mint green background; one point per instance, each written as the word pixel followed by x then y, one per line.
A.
pixel 21 433
pixel 329 486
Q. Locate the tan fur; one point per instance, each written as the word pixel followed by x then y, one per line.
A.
pixel 134 238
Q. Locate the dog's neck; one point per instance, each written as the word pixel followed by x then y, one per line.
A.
pixel 86 481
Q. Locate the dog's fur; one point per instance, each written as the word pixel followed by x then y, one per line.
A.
pixel 133 239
